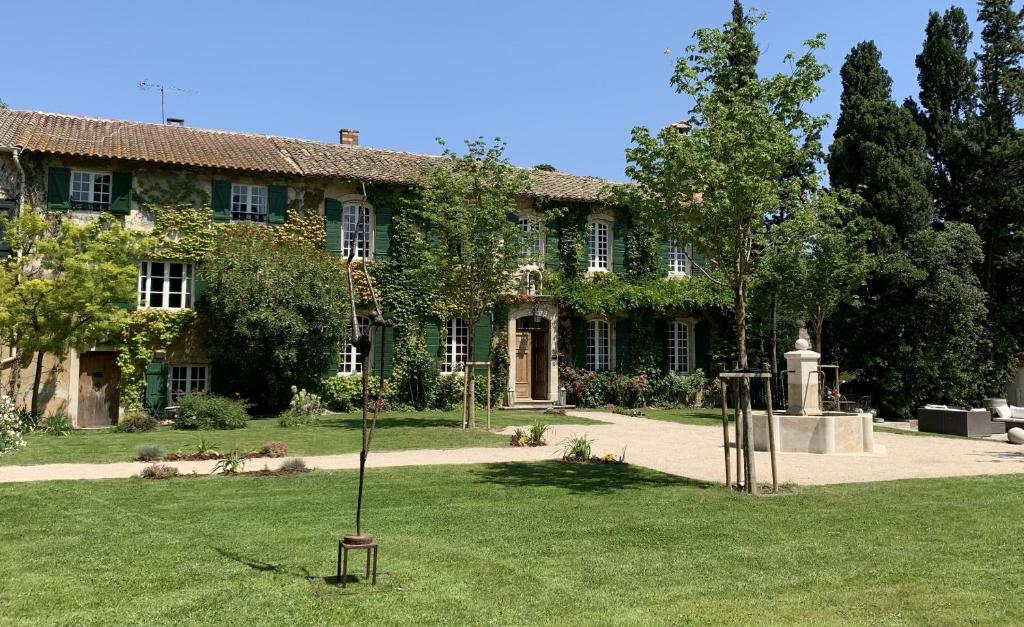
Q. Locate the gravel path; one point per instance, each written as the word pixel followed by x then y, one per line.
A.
pixel 686 450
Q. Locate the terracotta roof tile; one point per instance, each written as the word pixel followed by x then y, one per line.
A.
pixel 61 134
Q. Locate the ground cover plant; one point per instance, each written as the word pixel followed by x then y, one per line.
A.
pixel 622 545
pixel 333 433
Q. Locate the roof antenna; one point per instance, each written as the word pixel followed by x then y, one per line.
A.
pixel 146 84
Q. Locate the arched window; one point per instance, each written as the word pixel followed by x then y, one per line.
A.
pixel 598 245
pixel 348 358
pixel 357 220
pixel 456 345
pixel 598 345
pixel 679 347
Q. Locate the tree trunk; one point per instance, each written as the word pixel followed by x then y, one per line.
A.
pixel 36 381
pixel 741 346
pixel 469 420
pixel 776 381
pixel 817 337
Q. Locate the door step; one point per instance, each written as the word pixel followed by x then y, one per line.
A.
pixel 535 405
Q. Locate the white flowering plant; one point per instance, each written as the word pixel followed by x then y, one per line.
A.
pixel 11 428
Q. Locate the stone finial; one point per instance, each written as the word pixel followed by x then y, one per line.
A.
pixel 801 344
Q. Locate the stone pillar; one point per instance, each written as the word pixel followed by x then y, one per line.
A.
pixel 802 380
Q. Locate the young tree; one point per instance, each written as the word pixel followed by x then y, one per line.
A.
pixel 464 204
pixel 717 184
pixel 278 312
pixel 65 285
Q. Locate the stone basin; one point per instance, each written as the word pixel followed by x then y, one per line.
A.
pixel 830 433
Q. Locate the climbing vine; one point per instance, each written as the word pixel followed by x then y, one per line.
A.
pixel 146 331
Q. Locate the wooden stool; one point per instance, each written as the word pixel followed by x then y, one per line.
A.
pixel 343 549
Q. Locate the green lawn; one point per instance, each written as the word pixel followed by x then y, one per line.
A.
pixel 686 416
pixel 337 433
pixel 544 543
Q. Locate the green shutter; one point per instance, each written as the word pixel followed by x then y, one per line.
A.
pixel 332 223
pixel 382 234
pixel 387 355
pixel 432 338
pixel 156 387
pixel 702 346
pixel 482 339
pixel 622 342
pixel 579 337
pixel 618 248
pixel 277 204
pixel 220 200
pixel 121 193
pixel 6 213
pixel 331 367
pixel 583 263
pixel 661 341
pixel 58 188
pixel 664 248
pixel 698 260
pixel 198 287
pixel 552 256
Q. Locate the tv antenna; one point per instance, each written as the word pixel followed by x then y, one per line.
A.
pixel 146 84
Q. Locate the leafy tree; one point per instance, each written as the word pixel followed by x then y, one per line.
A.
pixel 65 285
pixel 714 184
pixel 878 150
pixel 3 105
pixel 278 310
pixel 464 204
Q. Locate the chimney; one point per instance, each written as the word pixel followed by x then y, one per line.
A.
pixel 349 137
pixel 176 121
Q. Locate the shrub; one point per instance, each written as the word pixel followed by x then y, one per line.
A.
pixel 597 389
pixel 150 452
pixel 577 449
pixel 274 449
pixel 57 424
pixel 209 411
pixel 11 426
pixel 295 464
pixel 519 438
pixel 137 423
pixel 627 412
pixel 344 394
pixel 537 432
pixel 159 471
pixel 305 409
pixel 447 392
pixel 231 464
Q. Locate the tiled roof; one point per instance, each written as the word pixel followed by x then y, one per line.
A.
pixel 61 134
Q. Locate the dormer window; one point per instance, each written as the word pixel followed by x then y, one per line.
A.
pixel 678 260
pixel 598 248
pixel 90 191
pixel 248 203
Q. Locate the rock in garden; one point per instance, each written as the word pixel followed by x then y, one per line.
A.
pixel 1015 435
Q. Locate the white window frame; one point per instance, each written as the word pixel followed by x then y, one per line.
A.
pixel 598 361
pixel 95 183
pixel 599 245
pixel 364 243
pixel 680 342
pixel 534 251
pixel 244 201
pixel 679 259
pixel 531 282
pixel 145 285
pixel 190 380
pixel 348 357
pixel 456 345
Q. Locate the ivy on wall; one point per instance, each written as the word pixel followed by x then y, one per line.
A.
pixel 146 331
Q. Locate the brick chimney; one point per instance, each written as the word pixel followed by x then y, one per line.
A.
pixel 349 137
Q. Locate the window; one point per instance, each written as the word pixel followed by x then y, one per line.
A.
pixel 598 343
pixel 456 345
pixel 355 220
pixel 530 283
pixel 678 347
pixel 185 379
pixel 248 202
pixel 597 246
pixel 90 190
pixel 165 285
pixel 678 262
pixel 348 360
pixel 534 248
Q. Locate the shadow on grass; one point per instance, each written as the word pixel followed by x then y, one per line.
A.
pixel 585 478
pixel 260 566
pixel 385 422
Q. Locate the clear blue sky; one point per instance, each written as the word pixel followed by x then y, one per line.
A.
pixel 562 82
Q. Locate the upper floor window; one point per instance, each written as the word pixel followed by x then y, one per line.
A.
pixel 597 246
pixel 356 221
pixel 530 283
pixel 248 202
pixel 456 345
pixel 165 285
pixel 349 362
pixel 678 261
pixel 678 347
pixel 598 345
pixel 534 248
pixel 90 190
pixel 187 379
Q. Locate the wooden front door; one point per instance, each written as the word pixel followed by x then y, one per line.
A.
pixel 97 389
pixel 539 388
pixel 524 366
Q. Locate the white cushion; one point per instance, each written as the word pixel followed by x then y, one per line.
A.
pixel 1003 412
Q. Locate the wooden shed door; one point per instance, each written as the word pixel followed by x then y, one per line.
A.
pixel 523 364
pixel 97 389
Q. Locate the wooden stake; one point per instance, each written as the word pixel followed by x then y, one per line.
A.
pixel 488 396
pixel 739 434
pixel 748 442
pixel 725 432
pixel 771 437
